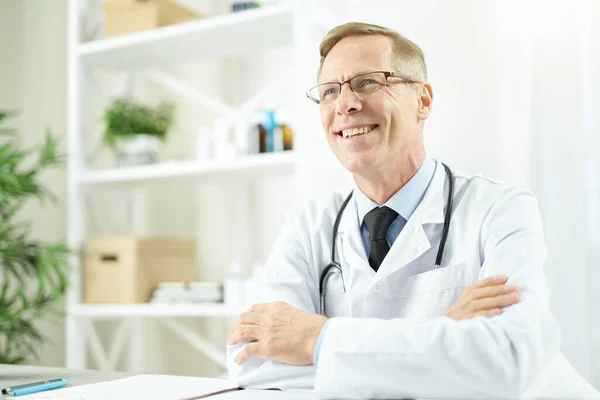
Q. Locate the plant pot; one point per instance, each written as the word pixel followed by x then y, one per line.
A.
pixel 142 149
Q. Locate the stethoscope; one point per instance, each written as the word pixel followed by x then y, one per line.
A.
pixel 335 267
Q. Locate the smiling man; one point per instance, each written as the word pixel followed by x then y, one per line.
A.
pixel 440 290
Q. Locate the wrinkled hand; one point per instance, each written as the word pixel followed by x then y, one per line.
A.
pixel 484 298
pixel 277 331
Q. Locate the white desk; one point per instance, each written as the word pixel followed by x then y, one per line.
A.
pixel 14 375
pixel 11 375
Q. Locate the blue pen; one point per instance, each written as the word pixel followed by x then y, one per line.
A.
pixel 35 387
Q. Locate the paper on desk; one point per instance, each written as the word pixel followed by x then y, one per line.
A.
pixel 155 387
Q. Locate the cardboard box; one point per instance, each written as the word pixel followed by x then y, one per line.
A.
pixel 126 269
pixel 128 16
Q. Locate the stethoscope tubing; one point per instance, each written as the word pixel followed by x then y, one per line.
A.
pixel 335 267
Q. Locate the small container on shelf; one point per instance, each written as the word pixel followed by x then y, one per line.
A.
pixel 257 135
pixel 235 286
pixel 270 131
pixel 129 16
pixel 125 269
pixel 196 292
pixel 284 131
pixel 270 125
pixel 254 285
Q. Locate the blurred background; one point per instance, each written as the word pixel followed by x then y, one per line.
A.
pixel 188 137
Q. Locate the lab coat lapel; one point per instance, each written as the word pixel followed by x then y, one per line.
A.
pixel 349 241
pixel 413 241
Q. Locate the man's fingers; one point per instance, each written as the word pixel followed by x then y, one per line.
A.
pixel 243 332
pixel 258 307
pixel 248 351
pixel 249 318
pixel 486 313
pixel 492 291
pixel 266 307
pixel 489 281
pixel 490 303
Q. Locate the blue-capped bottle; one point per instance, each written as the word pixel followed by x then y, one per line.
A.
pixel 270 125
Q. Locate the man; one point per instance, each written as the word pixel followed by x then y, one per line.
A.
pixel 459 330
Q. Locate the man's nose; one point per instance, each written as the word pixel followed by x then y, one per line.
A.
pixel 347 102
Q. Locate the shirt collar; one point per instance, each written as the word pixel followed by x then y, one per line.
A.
pixel 406 200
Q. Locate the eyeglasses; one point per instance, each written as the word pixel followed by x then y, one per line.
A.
pixel 363 84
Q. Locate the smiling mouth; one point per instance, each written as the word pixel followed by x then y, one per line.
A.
pixel 349 133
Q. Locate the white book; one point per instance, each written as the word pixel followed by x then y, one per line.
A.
pixel 155 387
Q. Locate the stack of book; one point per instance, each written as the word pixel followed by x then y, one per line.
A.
pixel 188 292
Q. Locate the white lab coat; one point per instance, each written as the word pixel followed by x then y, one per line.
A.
pixel 388 337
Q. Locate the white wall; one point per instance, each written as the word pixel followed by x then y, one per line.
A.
pixel 32 76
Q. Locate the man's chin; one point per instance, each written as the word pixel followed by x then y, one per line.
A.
pixel 354 165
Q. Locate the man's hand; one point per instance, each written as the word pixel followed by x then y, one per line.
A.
pixel 277 331
pixel 484 298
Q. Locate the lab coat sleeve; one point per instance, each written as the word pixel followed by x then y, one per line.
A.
pixel 499 357
pixel 287 278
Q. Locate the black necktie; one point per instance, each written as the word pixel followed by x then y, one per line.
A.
pixel 377 221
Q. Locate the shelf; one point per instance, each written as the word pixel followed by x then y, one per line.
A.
pixel 235 33
pixel 109 311
pixel 271 164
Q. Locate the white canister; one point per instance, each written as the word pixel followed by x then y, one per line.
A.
pixel 235 286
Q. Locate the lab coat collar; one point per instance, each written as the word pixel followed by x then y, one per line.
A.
pixel 349 241
pixel 433 205
pixel 412 241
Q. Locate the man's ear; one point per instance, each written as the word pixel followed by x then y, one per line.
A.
pixel 425 93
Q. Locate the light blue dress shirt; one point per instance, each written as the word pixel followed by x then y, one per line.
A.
pixel 405 201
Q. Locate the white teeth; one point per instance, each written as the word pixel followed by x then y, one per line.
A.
pixel 356 131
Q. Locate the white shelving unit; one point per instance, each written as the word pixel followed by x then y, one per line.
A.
pixel 247 31
pixel 92 311
pixel 246 167
pixel 147 52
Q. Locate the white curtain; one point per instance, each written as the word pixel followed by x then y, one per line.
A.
pixel 517 94
pixel 566 166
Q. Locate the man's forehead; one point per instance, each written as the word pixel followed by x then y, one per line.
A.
pixel 355 55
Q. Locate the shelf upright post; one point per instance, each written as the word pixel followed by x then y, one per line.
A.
pixel 76 356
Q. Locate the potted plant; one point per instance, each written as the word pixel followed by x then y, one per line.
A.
pixel 33 274
pixel 135 131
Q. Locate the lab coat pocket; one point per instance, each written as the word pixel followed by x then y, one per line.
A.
pixel 430 294
pixel 457 275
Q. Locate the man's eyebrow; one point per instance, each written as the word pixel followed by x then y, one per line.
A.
pixel 351 76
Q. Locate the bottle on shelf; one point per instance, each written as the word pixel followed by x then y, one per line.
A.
pixel 269 131
pixel 270 125
pixel 235 285
pixel 257 135
pixel 285 134
pixel 254 284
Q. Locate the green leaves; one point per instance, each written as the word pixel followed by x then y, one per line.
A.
pixel 125 118
pixel 49 153
pixel 7 131
pixel 14 182
pixel 33 274
pixel 7 114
